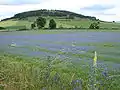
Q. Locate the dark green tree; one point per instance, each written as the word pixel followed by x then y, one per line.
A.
pixel 33 25
pixel 52 24
pixel 94 26
pixel 40 22
pixel 91 26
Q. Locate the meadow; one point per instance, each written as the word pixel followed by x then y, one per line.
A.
pixel 60 60
pixel 62 23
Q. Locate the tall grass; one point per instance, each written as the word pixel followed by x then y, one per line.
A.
pixel 51 73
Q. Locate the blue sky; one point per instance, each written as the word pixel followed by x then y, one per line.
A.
pixel 107 10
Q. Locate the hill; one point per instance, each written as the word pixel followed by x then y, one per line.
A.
pixel 53 13
pixel 64 19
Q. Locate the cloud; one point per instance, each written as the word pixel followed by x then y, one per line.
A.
pixel 104 13
pixel 19 2
pixel 98 7
pixel 102 9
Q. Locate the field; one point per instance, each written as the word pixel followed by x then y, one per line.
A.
pixel 59 60
pixel 15 24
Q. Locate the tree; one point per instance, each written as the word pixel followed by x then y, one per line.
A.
pixel 40 22
pixel 33 26
pixel 94 26
pixel 52 24
pixel 91 26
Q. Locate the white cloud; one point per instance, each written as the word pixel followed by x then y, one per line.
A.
pixel 19 2
pixel 71 5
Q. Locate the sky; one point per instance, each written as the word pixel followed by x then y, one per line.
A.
pixel 106 10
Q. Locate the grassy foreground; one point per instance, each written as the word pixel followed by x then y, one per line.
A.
pixel 52 73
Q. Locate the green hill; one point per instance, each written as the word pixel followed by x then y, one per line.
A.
pixel 53 13
pixel 64 19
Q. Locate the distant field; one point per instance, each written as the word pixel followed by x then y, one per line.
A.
pixel 61 23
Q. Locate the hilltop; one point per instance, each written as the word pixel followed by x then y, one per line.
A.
pixel 52 13
pixel 64 19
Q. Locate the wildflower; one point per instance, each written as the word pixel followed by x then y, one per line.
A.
pixel 48 57
pixel 56 78
pixel 73 44
pixel 74 82
pixel 105 72
pixel 13 44
pixel 62 51
pixel 77 84
pixel 95 59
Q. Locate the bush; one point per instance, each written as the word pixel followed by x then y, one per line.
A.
pixel 52 24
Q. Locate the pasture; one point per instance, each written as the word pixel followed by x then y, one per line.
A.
pixel 14 24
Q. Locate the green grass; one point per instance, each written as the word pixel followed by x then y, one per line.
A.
pixel 50 73
pixel 61 23
pixel 110 25
pixel 15 24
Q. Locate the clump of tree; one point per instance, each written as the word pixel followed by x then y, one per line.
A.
pixel 52 24
pixel 94 25
pixel 40 22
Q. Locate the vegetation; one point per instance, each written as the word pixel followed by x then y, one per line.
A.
pixel 52 73
pixel 63 19
pixel 40 22
pixel 33 25
pixel 46 13
pixel 52 24
pixel 94 26
pixel 57 72
pixel 1 28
